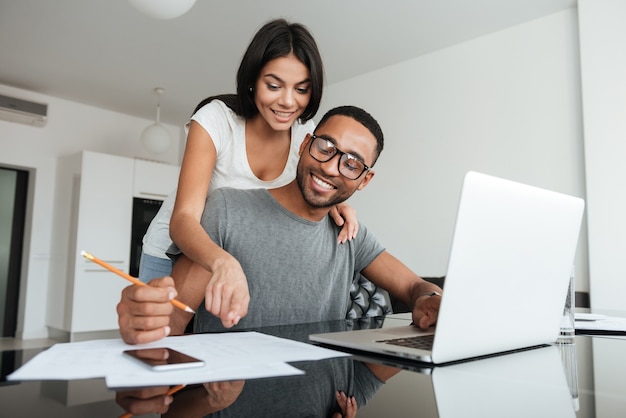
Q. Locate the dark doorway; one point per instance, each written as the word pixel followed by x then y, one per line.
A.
pixel 13 193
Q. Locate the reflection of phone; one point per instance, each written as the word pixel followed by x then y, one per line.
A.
pixel 153 358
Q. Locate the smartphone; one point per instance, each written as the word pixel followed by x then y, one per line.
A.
pixel 153 358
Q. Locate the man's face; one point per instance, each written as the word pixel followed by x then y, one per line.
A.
pixel 321 183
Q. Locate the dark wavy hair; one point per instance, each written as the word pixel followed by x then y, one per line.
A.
pixel 363 118
pixel 277 38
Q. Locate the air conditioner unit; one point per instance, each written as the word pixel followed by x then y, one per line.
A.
pixel 22 111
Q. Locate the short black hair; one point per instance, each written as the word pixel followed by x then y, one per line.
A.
pixel 363 118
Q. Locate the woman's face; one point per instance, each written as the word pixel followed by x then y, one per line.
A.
pixel 282 91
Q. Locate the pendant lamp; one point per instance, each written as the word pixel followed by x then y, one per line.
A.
pixel 163 9
pixel 155 137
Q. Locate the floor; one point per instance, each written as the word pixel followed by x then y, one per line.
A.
pixel 7 343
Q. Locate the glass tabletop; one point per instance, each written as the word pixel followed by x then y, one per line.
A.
pixel 580 378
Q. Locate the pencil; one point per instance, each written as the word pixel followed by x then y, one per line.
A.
pixel 170 392
pixel 130 278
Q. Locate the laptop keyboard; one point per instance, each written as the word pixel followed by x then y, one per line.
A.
pixel 424 342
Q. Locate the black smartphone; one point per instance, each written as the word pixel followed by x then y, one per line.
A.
pixel 154 358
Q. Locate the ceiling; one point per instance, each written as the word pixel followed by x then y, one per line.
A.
pixel 107 54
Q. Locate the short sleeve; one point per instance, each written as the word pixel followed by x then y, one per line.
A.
pixel 217 119
pixel 367 248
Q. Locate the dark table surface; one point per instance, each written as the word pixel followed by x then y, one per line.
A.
pixel 585 377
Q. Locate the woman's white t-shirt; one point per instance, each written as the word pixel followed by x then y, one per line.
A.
pixel 227 130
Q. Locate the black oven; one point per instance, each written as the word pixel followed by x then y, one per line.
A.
pixel 144 210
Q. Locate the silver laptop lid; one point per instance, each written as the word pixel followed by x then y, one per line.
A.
pixel 509 268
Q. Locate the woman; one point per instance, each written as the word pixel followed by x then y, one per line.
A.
pixel 247 140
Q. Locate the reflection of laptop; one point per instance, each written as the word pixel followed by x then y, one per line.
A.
pixel 531 383
pixel 508 274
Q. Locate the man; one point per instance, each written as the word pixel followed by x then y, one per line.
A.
pixel 296 271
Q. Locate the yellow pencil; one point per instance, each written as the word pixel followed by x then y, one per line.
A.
pixel 130 278
pixel 170 392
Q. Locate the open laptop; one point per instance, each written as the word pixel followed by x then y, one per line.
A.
pixel 508 275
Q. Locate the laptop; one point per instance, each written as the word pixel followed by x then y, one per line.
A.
pixel 508 274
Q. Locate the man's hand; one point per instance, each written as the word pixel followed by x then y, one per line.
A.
pixel 144 311
pixel 426 310
pixel 145 401
pixel 227 295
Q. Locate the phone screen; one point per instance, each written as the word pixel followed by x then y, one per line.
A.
pixel 155 358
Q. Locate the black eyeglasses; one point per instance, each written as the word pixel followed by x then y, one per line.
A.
pixel 349 165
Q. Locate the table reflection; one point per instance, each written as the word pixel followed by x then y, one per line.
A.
pixel 567 350
pixel 609 374
pixel 310 395
pixel 540 382
pixel 524 384
pixel 313 394
pixel 536 382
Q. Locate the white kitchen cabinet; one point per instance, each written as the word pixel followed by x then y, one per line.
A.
pixel 154 180
pixel 93 212
pixel 103 229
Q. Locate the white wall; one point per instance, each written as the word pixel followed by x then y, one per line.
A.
pixel 71 127
pixel 603 63
pixel 507 104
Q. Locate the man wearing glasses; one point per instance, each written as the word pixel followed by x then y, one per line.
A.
pixel 296 272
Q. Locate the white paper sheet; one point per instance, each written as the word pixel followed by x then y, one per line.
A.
pixel 231 355
pixel 146 377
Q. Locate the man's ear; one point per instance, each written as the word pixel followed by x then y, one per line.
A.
pixel 304 144
pixel 366 179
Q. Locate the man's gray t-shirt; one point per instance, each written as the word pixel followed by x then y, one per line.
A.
pixel 296 270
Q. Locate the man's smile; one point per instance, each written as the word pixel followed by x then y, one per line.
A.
pixel 322 183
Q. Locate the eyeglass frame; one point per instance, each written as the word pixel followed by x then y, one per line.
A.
pixel 341 156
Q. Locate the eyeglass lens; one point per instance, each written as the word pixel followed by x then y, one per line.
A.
pixel 349 166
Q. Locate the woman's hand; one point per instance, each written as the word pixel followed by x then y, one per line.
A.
pixel 227 295
pixel 347 404
pixel 344 215
pixel 220 395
